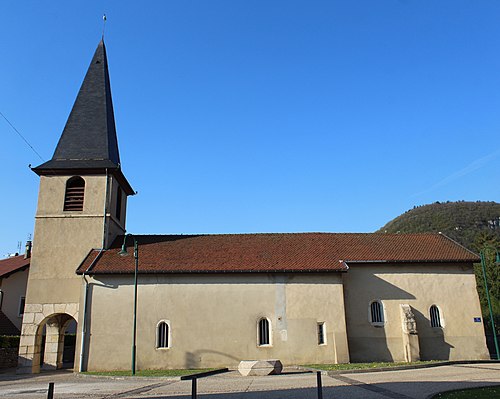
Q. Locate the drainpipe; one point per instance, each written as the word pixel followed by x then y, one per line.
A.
pixel 84 321
pixel 104 232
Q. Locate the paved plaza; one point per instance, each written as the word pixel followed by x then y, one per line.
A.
pixel 404 384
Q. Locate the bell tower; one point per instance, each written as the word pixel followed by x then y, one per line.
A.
pixel 81 206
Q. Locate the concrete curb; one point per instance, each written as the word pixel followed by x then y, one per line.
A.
pixel 126 377
pixel 152 378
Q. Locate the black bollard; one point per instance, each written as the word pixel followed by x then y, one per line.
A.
pixel 193 388
pixel 50 393
pixel 320 387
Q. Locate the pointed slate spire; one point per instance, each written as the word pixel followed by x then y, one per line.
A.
pixel 88 141
pixel 90 133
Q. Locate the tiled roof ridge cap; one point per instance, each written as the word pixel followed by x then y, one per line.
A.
pixel 290 233
pixel 457 243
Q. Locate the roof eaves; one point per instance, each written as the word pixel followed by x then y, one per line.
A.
pixel 99 254
pixel 414 261
pixel 10 273
pixel 240 271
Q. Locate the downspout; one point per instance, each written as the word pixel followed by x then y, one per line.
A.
pixel 84 321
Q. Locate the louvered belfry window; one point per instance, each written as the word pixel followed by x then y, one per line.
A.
pixel 75 189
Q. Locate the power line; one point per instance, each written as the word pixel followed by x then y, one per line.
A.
pixel 20 135
pixel 30 146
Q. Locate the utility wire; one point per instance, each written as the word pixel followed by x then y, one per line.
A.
pixel 30 146
pixel 20 135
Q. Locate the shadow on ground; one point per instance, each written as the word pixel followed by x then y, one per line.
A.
pixel 396 390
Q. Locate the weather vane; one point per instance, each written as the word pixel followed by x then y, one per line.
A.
pixel 103 24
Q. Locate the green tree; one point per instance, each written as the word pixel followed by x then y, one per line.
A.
pixel 489 244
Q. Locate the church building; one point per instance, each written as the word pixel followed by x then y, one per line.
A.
pixel 200 301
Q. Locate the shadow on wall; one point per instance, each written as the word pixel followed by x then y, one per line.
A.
pixel 431 339
pixel 194 359
pixel 369 343
pixel 84 358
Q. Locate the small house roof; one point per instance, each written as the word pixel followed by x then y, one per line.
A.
pixel 12 265
pixel 288 252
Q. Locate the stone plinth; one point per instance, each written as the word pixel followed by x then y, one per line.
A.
pixel 260 367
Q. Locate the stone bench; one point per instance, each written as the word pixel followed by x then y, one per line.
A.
pixel 260 367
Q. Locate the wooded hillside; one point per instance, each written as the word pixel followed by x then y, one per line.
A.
pixel 476 225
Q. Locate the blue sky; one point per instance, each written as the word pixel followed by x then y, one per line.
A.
pixel 260 116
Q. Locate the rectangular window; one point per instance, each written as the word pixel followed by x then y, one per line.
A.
pixel 321 334
pixel 22 301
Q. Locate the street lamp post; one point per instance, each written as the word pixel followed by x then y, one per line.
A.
pixel 483 265
pixel 124 252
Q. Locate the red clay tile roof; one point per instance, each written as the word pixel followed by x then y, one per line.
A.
pixel 12 265
pixel 299 252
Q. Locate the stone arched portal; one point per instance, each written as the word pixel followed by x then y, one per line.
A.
pixel 54 324
pixel 53 347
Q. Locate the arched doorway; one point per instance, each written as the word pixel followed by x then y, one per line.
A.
pixel 55 343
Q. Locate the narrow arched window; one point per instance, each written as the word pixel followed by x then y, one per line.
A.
pixel 162 335
pixel 435 316
pixel 75 189
pixel 376 313
pixel 264 332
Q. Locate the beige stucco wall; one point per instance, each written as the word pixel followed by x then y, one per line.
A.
pixel 13 288
pixel 61 241
pixel 451 287
pixel 213 319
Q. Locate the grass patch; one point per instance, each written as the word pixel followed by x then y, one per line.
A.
pixel 474 393
pixel 364 366
pixel 148 373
